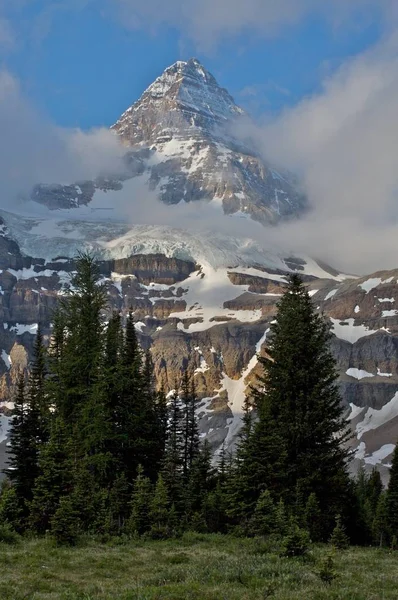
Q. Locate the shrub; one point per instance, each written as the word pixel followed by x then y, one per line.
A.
pixel 297 542
pixel 327 569
pixel 7 534
pixel 64 524
pixel 339 538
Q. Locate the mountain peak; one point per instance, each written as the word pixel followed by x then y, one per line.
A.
pixel 181 74
pixel 184 95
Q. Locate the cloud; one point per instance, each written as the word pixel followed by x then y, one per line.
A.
pixel 344 142
pixel 208 22
pixel 33 150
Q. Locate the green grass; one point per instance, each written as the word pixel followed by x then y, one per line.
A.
pixel 197 567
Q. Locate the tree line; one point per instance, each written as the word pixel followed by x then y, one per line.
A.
pixel 97 448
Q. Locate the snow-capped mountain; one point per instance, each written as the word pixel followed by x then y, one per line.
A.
pixel 201 300
pixel 180 139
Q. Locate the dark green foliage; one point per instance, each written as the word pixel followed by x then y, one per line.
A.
pixel 327 569
pixel 54 479
pixel 65 523
pixel 190 428
pixel 215 510
pixel 172 469
pixel 159 511
pixel 82 325
pixel 281 518
pixel 10 508
pixel 23 448
pixel 296 446
pixel 119 509
pixel 201 480
pixel 392 496
pixel 39 414
pixel 139 521
pixel 87 498
pixel 263 520
pixel 297 541
pixel 173 522
pixel 313 518
pixel 367 490
pixel 8 535
pixel 381 523
pixel 339 538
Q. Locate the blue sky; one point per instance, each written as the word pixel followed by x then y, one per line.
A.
pixel 80 66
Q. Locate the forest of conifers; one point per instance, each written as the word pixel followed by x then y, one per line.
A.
pixel 96 447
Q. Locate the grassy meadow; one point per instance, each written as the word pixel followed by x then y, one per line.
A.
pixel 195 567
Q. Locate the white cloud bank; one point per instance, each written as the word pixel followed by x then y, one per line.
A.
pixel 344 142
pixel 33 150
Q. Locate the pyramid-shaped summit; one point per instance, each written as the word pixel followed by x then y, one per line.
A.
pixel 185 96
pixel 180 140
pixel 183 123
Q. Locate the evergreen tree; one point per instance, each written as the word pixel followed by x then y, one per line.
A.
pixel 339 538
pixel 190 431
pixel 55 382
pixel 375 488
pixel 65 523
pixel 363 516
pixel 241 488
pixel 139 520
pixel 263 519
pixel 215 510
pixel 38 414
pixel 23 449
pixel 54 480
pixel 150 438
pixel 298 440
pixel 111 369
pixel 128 409
pixel 380 526
pixel 392 496
pixel 82 339
pixel 201 482
pixel 119 504
pixel 10 509
pixel 161 419
pixel 281 519
pixel 159 513
pixel 222 464
pixel 172 468
pixel 313 518
pixel 87 498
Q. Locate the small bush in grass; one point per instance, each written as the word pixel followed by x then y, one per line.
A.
pixel 339 538
pixel 297 541
pixel 327 569
pixel 7 534
pixel 64 524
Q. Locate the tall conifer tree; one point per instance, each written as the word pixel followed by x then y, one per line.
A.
pixel 23 450
pixel 301 429
pixel 392 496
